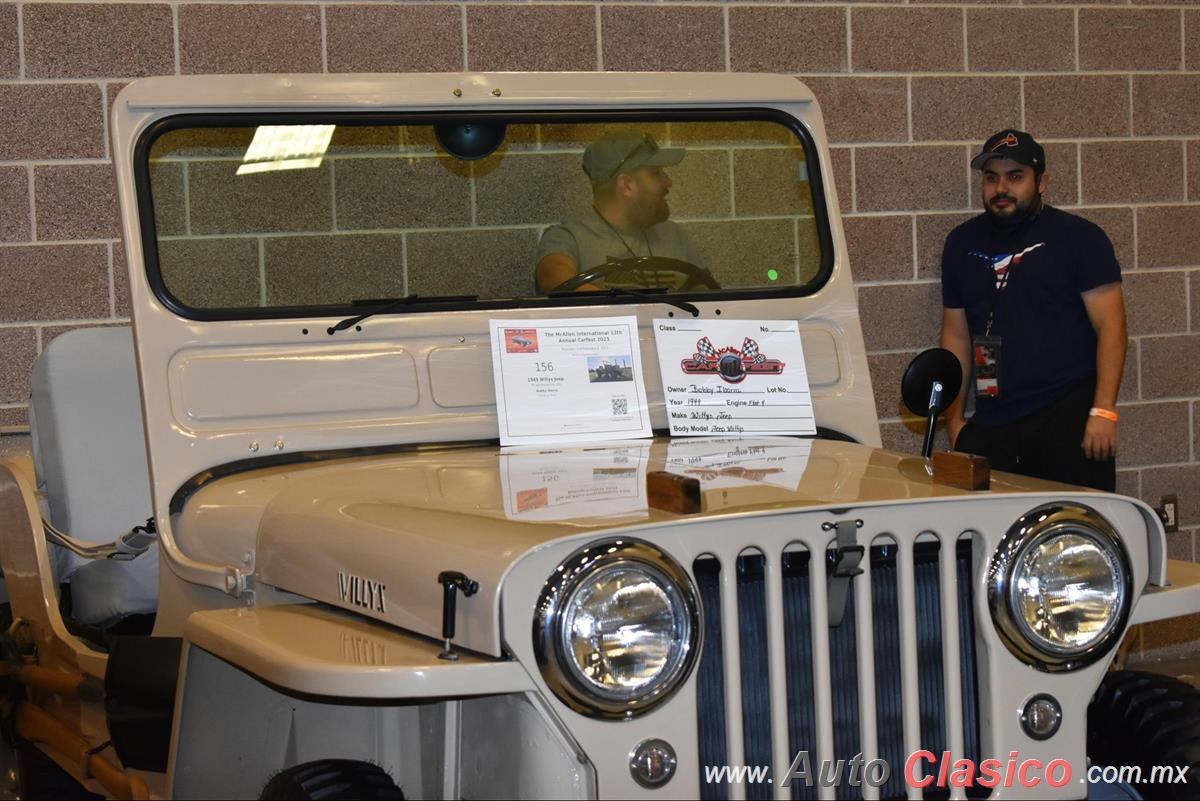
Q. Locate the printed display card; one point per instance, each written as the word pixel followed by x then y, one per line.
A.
pixel 571 380
pixel 740 377
pixel 727 462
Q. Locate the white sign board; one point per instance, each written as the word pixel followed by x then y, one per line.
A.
pixel 575 483
pixel 740 377
pixel 571 380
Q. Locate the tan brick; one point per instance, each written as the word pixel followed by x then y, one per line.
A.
pixel 1118 224
pixel 405 38
pixel 51 121
pixel 167 195
pixel 880 248
pixel 699 185
pixel 1129 39
pixel 19 346
pixel 765 181
pixel 765 40
pixel 223 202
pixel 76 201
pixel 53 282
pixel 1132 172
pixel 1089 106
pixel 900 315
pixel 964 108
pixel 886 371
pixel 85 40
pixel 1180 545
pixel 1156 303
pixel 907 39
pixel 1166 105
pixel 923 178
pixel 842 160
pixel 1191 45
pixel 210 273
pixel 446 263
pixel 1194 283
pixel 537 188
pixel 1153 433
pixel 14 204
pixel 1196 431
pixel 1046 42
pixel 503 37
pixel 1130 389
pixel 662 39
pixel 9 46
pixel 12 419
pixel 1170 366
pixel 863 109
pixel 932 230
pixel 401 193
pixel 1129 482
pixel 299 271
pixel 1168 236
pixel 232 38
pixel 1180 481
pixel 1062 174
pixel 739 252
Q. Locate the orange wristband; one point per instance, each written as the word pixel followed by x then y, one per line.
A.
pixel 1104 414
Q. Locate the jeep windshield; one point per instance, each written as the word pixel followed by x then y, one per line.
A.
pixel 261 215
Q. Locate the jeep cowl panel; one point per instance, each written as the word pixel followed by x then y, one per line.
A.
pixel 269 544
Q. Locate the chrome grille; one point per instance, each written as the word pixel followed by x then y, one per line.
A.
pixel 876 684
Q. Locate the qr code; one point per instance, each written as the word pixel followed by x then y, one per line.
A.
pixel 620 406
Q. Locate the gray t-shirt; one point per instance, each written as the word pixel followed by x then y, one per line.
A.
pixel 591 242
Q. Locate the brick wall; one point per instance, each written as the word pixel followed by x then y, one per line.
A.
pixel 909 90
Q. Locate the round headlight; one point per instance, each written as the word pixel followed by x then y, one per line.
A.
pixel 617 628
pixel 1059 587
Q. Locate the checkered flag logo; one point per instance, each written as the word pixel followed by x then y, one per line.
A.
pixel 705 350
pixel 750 351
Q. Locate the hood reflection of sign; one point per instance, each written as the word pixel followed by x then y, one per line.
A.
pixel 731 364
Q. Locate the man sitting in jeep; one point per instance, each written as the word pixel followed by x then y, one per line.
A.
pixel 628 219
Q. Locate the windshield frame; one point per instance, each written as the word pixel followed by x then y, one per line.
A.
pixel 160 127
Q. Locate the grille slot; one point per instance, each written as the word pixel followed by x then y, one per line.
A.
pixel 872 640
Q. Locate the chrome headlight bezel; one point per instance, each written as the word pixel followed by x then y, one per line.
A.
pixel 548 632
pixel 1032 529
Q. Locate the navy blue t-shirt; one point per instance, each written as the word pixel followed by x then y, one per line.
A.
pixel 1048 341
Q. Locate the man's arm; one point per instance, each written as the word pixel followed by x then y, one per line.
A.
pixel 956 338
pixel 1106 309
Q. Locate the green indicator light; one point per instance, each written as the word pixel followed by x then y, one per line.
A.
pixel 773 275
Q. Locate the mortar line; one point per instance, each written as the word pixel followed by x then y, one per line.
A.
pixel 21 40
pixel 324 42
pixel 725 22
pixel 175 37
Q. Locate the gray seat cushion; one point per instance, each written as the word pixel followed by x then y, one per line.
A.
pixel 89 450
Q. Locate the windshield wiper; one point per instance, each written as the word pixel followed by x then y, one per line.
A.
pixel 386 306
pixel 655 294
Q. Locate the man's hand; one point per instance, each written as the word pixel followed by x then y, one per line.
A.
pixel 954 425
pixel 1100 439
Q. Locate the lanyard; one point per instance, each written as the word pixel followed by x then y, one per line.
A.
pixel 997 288
pixel 613 228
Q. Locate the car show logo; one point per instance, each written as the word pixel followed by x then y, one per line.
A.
pixel 520 340
pixel 730 363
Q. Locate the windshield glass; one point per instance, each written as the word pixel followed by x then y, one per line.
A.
pixel 262 216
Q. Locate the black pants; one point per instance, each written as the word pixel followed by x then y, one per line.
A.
pixel 1046 444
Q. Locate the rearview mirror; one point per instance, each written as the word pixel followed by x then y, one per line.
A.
pixel 930 384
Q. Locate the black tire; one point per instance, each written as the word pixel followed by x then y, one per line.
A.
pixel 39 776
pixel 1147 720
pixel 332 780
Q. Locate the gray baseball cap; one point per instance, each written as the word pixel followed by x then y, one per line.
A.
pixel 625 151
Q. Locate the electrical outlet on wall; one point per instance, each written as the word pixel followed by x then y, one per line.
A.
pixel 1168 510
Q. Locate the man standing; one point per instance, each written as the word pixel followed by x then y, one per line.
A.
pixel 629 212
pixel 1032 307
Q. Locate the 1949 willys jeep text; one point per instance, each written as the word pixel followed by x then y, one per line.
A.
pixel 353 591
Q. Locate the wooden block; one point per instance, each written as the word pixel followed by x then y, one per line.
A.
pixel 671 492
pixel 962 470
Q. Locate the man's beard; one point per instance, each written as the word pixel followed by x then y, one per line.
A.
pixel 652 214
pixel 1017 214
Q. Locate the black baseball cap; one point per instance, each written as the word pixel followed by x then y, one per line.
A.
pixel 1012 144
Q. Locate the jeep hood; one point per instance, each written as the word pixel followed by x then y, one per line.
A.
pixel 371 534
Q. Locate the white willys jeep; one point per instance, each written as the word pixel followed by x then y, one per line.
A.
pixel 345 588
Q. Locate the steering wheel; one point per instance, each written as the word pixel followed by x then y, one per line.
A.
pixel 645 271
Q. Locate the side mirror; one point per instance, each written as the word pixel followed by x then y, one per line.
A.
pixel 930 384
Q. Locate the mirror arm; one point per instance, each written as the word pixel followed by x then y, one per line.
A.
pixel 935 399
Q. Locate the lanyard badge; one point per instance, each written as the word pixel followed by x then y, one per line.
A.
pixel 986 359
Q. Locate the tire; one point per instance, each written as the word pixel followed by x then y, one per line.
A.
pixel 332 780
pixel 39 776
pixel 1147 720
